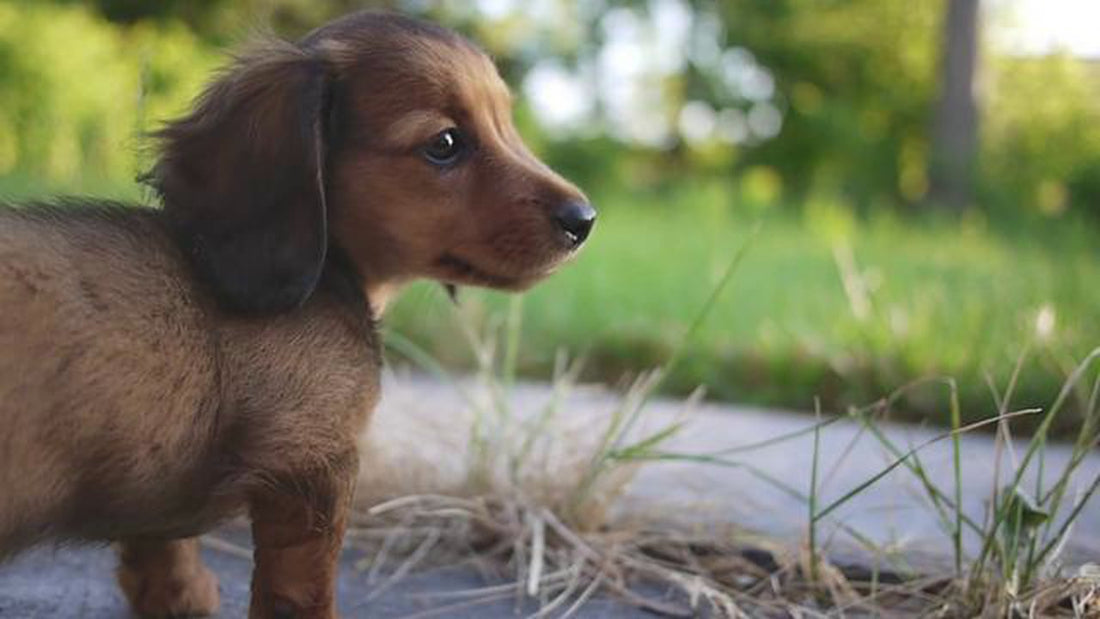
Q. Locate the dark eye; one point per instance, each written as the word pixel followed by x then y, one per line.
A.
pixel 445 148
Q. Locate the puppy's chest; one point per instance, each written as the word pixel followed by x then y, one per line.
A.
pixel 308 387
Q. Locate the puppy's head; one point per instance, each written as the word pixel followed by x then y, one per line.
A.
pixel 389 137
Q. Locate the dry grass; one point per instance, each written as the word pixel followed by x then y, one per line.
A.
pixel 535 508
pixel 532 501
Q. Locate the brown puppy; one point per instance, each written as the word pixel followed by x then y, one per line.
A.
pixel 163 370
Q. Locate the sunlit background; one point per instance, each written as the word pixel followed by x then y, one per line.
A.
pixel 926 185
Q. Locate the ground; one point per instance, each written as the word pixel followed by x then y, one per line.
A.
pixel 78 583
pixel 420 443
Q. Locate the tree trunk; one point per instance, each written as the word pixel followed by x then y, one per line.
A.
pixel 955 122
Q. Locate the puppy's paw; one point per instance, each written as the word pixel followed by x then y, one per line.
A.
pixel 171 595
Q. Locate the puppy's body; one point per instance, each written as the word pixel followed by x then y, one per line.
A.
pixel 162 370
pixel 133 406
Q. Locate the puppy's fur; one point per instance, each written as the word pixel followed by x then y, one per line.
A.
pixel 162 370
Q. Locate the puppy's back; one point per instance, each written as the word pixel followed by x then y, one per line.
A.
pixel 105 365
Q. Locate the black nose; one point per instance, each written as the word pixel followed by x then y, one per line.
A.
pixel 576 219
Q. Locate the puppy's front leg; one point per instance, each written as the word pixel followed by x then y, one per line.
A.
pixel 298 530
pixel 167 578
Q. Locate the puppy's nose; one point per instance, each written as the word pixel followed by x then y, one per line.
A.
pixel 576 219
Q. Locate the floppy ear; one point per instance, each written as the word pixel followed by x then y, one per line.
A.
pixel 241 179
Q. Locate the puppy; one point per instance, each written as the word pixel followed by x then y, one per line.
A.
pixel 162 370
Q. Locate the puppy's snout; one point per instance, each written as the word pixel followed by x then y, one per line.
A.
pixel 576 220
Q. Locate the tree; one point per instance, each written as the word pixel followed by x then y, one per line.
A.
pixel 856 80
pixel 955 118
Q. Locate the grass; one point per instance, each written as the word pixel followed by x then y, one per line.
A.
pixel 550 529
pixel 827 305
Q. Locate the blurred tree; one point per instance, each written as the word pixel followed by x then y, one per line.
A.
pixel 223 20
pixel 800 97
pixel 855 82
pixel 68 116
pixel 1041 135
pixel 955 124
pixel 199 15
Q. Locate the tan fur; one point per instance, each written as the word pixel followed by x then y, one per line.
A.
pixel 162 371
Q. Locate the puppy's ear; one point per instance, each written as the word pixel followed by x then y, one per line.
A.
pixel 242 179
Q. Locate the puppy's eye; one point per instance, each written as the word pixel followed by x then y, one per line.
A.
pixel 445 148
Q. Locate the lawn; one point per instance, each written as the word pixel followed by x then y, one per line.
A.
pixel 824 305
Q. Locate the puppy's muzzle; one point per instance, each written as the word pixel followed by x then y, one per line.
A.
pixel 576 220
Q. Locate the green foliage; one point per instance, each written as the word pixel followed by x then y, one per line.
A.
pixel 132 11
pixel 856 79
pixel 1042 135
pixel 223 21
pixel 80 115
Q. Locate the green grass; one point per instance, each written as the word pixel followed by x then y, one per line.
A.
pixel 939 298
pixel 23 187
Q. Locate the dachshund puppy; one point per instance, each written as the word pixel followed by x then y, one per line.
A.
pixel 162 370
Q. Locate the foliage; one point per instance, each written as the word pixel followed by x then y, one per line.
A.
pixel 856 80
pixel 1042 139
pixel 79 115
pixel 853 87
